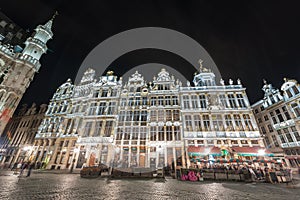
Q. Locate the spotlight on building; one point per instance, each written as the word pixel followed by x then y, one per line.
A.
pixel 261 152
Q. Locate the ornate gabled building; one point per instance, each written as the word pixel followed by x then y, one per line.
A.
pixel 17 69
pixel 146 124
pixel 53 134
pixel 218 120
pixel 19 134
pixel 278 117
pixel 131 134
pixel 165 147
pixel 96 135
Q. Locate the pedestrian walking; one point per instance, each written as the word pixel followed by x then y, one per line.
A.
pixel 30 167
pixel 24 166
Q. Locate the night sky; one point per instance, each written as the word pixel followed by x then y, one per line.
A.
pixel 248 40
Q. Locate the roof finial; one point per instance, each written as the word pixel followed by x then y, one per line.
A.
pixel 200 64
pixel 54 15
pixel 265 82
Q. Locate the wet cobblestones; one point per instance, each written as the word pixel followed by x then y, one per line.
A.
pixel 71 186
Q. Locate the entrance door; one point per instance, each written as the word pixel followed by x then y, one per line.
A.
pixel 92 159
pixel 142 160
pixel 152 163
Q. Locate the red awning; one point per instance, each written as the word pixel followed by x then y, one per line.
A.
pixel 252 150
pixel 207 150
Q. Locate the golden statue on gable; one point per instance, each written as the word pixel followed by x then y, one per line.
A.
pixel 201 68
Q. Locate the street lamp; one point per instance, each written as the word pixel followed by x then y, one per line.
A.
pixel 27 149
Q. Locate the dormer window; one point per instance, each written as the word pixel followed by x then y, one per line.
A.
pixel 289 93
pixel 295 90
pixel 104 93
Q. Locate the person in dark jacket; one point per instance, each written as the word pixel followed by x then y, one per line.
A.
pixel 30 167
pixel 24 166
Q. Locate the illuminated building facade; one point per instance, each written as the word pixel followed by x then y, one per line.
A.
pixel 218 120
pixel 278 117
pixel 18 66
pixel 19 134
pixel 146 124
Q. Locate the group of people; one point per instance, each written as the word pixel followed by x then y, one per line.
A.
pixel 270 173
pixel 22 166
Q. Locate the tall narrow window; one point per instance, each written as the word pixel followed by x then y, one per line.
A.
pixel 238 122
pixel 136 116
pixel 248 122
pixel 129 116
pixel 104 93
pixel 113 93
pixel 108 128
pixel 144 101
pixel 168 100
pixel 111 108
pixel 153 115
pixel 273 118
pixel 275 141
pixel 144 116
pixel 295 90
pixel 160 115
pixel 194 101
pixel 223 100
pixel 202 101
pixel 87 129
pixel 161 134
pixel 174 100
pixel 153 132
pixel 130 101
pixel 123 102
pixel 206 123
pixel 169 133
pixel 279 115
pixel 168 115
pixel 137 101
pixel 176 116
pixel 153 101
pixel 102 107
pixel 296 109
pixel 231 100
pixel 270 128
pixel 160 100
pixel 229 124
pixel 177 133
pixel 286 113
pixel 241 100
pixel 122 116
pixel 188 122
pixel 217 122
pixel 98 129
pixel 197 122
pixel 186 102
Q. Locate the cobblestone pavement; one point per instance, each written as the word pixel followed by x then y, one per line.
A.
pixel 71 186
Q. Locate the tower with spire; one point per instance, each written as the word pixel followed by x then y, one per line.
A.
pixel 36 46
pixel 17 69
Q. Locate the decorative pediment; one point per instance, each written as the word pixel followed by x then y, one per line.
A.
pixel 88 76
pixel 163 76
pixel 136 79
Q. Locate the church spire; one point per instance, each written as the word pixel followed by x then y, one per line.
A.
pixel 48 25
pixel 36 46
